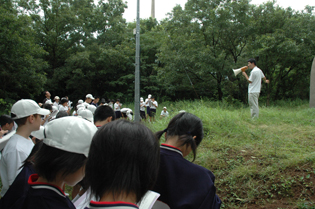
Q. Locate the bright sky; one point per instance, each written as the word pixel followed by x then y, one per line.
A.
pixel 162 7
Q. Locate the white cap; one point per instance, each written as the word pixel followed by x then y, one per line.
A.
pixel 141 99
pixel 71 134
pixel 39 134
pixel 86 114
pixel 49 102
pixel 89 96
pixel 80 101
pixel 182 111
pixel 149 96
pixel 164 108
pixel 27 107
pixel 92 108
pixel 56 97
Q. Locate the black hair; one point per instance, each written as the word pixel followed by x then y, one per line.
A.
pixel 63 100
pixel 44 93
pixel 22 121
pixel 152 97
pixel 61 114
pixel 103 101
pixel 47 106
pixel 123 159
pixel 185 126
pixel 252 60
pixel 117 100
pixel 31 156
pixel 103 112
pixel 4 119
pixel 95 97
pixel 50 161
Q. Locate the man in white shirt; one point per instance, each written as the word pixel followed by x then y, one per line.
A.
pixel 27 115
pixel 164 113
pixel 117 107
pixel 254 86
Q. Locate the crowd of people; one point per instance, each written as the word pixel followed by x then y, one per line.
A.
pixel 108 159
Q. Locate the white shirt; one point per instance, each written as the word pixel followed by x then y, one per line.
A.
pixel 255 77
pixel 14 153
pixel 56 105
pixel 142 106
pixel 164 113
pixel 116 107
pixel 152 105
pixel 63 108
pixel 147 102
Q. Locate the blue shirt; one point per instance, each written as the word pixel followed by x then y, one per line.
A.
pixel 16 194
pixel 183 184
pixel 46 196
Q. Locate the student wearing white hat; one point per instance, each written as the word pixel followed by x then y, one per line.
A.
pixel 27 115
pixel 88 99
pixel 148 104
pixel 142 109
pixel 56 103
pixel 61 160
pixel 164 113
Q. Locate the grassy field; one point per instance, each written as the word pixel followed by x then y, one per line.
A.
pixel 267 162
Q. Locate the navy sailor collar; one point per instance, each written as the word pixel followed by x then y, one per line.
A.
pixel 42 185
pixel 112 205
pixel 171 148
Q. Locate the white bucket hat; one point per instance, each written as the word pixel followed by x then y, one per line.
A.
pixel 27 107
pixel 92 108
pixel 89 96
pixel 80 101
pixel 72 134
pixel 86 114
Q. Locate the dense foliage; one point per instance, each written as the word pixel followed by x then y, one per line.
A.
pixel 77 47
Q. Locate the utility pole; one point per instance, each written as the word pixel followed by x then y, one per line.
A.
pixel 153 9
pixel 137 71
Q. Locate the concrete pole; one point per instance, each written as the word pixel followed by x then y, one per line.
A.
pixel 312 87
pixel 153 9
pixel 137 71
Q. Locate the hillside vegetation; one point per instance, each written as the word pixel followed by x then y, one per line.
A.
pixel 263 163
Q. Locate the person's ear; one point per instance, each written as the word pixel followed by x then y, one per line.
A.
pixel 109 119
pixel 194 137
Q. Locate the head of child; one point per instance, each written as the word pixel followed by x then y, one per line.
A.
pixel 89 98
pixel 103 115
pixel 64 152
pixel 117 101
pixel 27 115
pixel 123 162
pixel 184 131
pixel 152 98
pixel 64 101
pixel 6 122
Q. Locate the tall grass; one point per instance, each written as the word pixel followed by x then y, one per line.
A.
pixel 256 161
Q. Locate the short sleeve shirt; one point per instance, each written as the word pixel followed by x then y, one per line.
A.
pixel 255 77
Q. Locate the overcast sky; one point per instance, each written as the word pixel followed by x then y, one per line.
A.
pixel 162 7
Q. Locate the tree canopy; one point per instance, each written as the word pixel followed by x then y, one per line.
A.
pixel 78 47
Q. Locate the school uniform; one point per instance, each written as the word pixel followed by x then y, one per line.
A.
pixel 142 110
pixel 153 107
pixel 117 111
pixel 43 195
pixel 182 184
pixel 16 194
pixel 147 103
pixel 111 205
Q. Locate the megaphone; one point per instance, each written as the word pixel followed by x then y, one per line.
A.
pixel 237 71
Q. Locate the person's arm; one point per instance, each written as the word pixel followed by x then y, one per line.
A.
pixel 246 76
pixel 265 80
